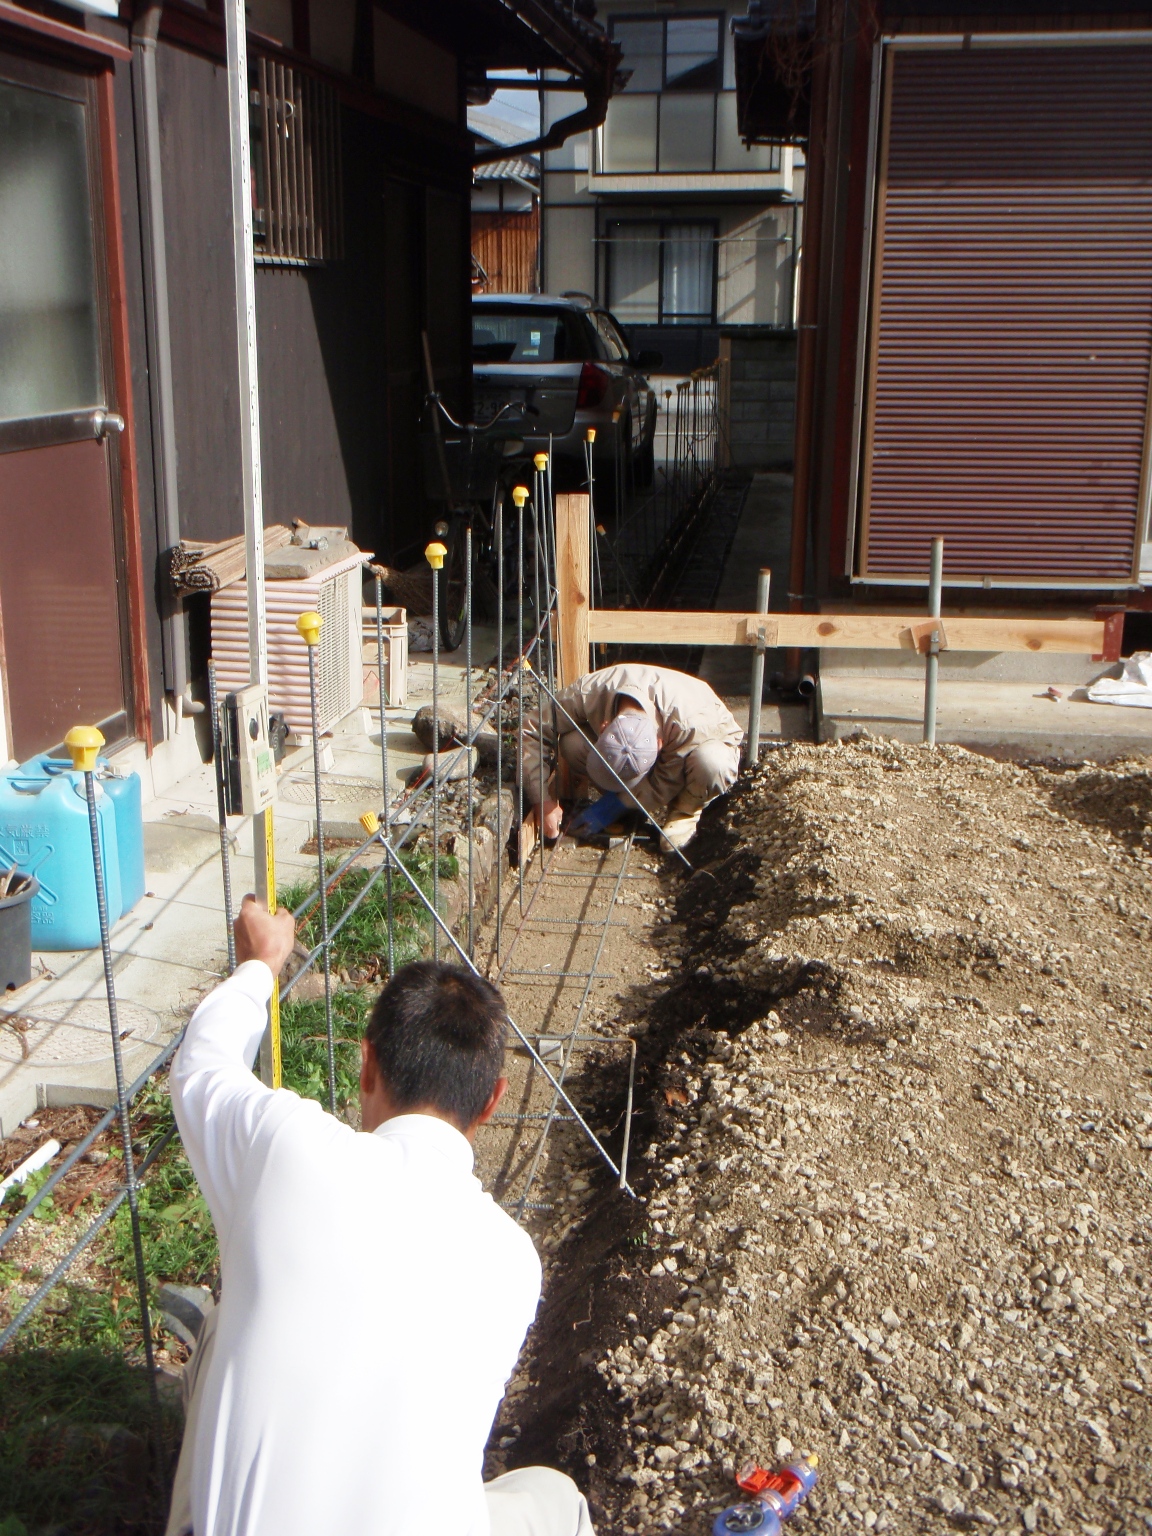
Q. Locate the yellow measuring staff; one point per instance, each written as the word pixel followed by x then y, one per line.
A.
pixel 274 1003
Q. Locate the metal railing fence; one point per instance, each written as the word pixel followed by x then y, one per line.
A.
pixel 637 530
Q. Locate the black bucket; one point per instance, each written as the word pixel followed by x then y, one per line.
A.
pixel 16 934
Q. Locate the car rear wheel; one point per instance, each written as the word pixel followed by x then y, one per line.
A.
pixel 645 470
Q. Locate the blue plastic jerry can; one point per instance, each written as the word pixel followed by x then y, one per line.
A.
pixel 124 790
pixel 44 831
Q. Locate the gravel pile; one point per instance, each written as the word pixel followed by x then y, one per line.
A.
pixel 895 1201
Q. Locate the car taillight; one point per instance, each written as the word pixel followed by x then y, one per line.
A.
pixel 594 384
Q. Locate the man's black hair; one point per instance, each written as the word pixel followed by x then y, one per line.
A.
pixel 437 1032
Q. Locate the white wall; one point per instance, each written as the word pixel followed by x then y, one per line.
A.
pixel 754 267
pixel 570 251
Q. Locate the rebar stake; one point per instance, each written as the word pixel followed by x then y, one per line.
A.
pixel 498 524
pixel 468 734
pixel 308 627
pixel 222 814
pixel 384 764
pixel 434 554
pixel 932 660
pixel 520 496
pixel 84 742
pixel 756 692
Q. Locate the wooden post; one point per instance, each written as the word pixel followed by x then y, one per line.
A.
pixel 573 584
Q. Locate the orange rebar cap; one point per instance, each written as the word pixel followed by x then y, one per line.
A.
pixel 434 554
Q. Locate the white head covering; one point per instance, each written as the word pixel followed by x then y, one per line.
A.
pixel 627 744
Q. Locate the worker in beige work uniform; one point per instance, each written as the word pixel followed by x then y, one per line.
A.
pixel 659 734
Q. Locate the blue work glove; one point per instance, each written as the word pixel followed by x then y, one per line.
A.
pixel 598 817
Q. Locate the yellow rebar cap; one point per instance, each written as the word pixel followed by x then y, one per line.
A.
pixel 370 822
pixel 308 627
pixel 590 435
pixel 541 461
pixel 434 554
pixel 84 742
pixel 519 494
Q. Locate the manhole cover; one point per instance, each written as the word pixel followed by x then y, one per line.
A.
pixel 335 789
pixel 68 1031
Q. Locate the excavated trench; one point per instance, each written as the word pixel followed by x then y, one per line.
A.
pixel 890 1158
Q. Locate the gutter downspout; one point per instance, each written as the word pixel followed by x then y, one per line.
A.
pixel 814 177
pixel 597 93
pixel 174 627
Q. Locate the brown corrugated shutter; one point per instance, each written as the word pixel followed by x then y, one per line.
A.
pixel 1011 328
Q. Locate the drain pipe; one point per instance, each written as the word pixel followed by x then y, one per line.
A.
pixel 597 94
pixel 806 327
pixel 150 188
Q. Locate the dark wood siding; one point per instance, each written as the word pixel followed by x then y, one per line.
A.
pixel 339 344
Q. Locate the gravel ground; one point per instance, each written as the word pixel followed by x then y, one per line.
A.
pixel 895 1122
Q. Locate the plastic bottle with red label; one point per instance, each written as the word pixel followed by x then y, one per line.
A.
pixel 774 1496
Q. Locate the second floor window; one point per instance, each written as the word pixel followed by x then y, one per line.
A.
pixel 674 116
pixel 670 53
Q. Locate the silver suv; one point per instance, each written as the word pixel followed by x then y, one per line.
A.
pixel 572 368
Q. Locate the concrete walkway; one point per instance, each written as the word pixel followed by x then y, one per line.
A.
pixel 998 705
pixel 170 950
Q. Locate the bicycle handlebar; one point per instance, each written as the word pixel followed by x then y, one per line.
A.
pixel 472 428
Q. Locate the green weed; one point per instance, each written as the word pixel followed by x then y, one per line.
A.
pixel 18 1196
pixel 304 1048
pixel 362 943
pixel 76 1444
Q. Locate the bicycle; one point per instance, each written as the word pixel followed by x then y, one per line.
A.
pixel 476 470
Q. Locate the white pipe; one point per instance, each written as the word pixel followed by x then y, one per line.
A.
pixel 251 492
pixel 245 269
pixel 29 1166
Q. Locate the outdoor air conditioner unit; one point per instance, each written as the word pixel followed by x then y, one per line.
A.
pixel 334 593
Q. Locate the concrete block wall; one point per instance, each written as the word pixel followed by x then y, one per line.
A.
pixel 757 397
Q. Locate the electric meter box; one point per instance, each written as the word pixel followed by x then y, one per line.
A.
pixel 250 764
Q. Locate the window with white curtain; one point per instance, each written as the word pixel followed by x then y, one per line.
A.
pixel 661 273
pixel 686 285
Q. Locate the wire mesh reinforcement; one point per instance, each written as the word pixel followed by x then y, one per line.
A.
pixel 686 477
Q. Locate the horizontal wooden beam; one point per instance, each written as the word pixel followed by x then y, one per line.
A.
pixel 642 626
pixel 862 631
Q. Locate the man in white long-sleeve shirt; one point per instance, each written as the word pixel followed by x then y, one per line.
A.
pixel 373 1297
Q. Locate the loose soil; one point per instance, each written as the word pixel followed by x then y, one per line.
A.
pixel 892 1163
